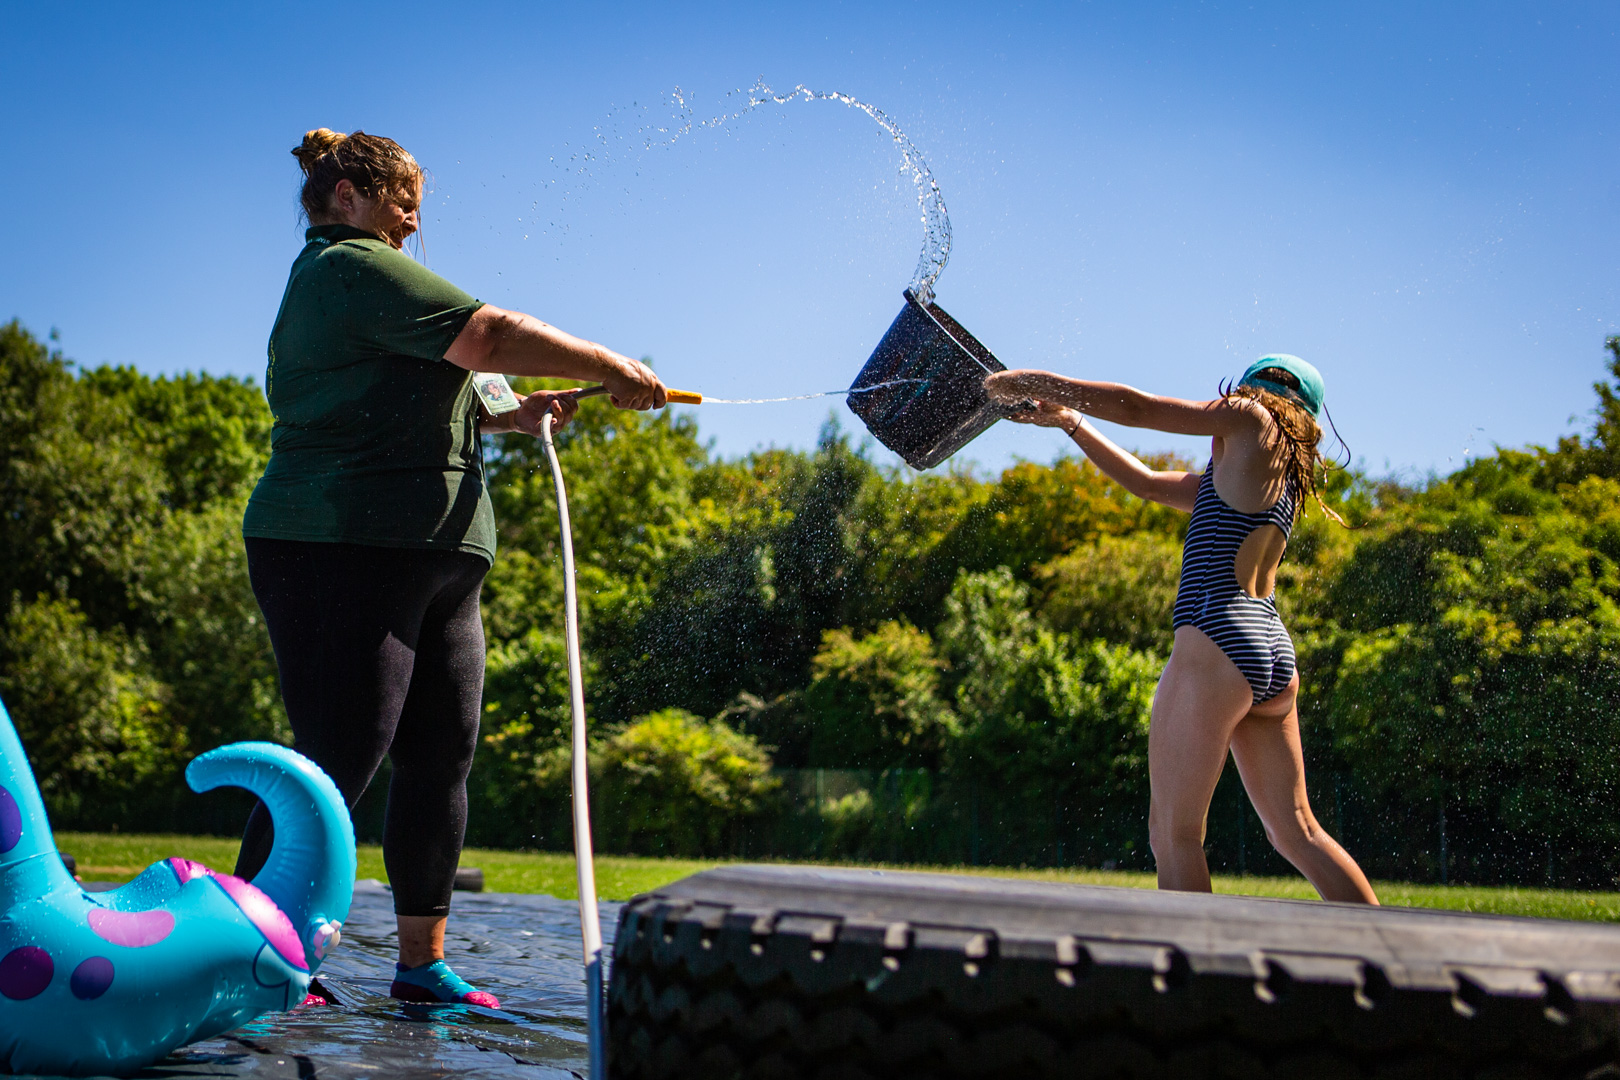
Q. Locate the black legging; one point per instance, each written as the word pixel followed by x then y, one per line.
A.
pixel 381 651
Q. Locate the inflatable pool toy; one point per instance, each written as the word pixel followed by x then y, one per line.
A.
pixel 110 982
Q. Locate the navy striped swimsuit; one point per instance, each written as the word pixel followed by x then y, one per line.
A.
pixel 1247 629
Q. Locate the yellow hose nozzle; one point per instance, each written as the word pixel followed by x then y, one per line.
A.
pixel 671 397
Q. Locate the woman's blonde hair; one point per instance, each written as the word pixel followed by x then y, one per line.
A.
pixel 377 167
pixel 1300 434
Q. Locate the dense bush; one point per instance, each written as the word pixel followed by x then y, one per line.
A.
pixel 672 783
pixel 874 701
pixel 1116 589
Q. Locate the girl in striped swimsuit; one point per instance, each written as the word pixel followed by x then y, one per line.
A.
pixel 1230 683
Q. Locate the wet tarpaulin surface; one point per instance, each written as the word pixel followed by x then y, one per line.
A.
pixel 523 949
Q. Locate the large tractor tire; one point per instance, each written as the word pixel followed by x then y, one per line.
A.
pixel 780 971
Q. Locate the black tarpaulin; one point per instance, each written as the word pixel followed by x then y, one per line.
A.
pixel 523 949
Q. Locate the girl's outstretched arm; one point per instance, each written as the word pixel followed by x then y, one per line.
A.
pixel 1173 488
pixel 1121 404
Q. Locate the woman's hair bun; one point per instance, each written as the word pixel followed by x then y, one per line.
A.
pixel 316 143
pixel 377 167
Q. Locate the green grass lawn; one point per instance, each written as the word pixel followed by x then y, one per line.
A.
pixel 118 857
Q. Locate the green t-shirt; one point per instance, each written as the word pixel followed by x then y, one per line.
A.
pixel 376 434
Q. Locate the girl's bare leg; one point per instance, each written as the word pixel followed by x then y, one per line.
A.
pixel 1200 701
pixel 1266 747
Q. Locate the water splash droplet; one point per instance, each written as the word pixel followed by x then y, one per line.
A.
pixel 936 222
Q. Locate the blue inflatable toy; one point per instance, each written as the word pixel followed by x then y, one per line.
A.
pixel 96 983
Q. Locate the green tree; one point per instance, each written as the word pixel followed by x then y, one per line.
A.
pixel 1035 513
pixel 1597 454
pixel 1040 707
pixel 92 716
pixel 1120 589
pixel 1472 666
pixel 121 500
pixel 194 609
pixel 210 433
pixel 70 503
pixel 875 702
pixel 741 607
pixel 630 477
pixel 1054 729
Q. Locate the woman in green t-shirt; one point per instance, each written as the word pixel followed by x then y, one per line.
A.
pixel 369 534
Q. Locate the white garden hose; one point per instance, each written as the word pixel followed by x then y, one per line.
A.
pixel 590 922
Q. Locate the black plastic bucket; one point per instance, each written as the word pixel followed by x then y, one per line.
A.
pixel 943 406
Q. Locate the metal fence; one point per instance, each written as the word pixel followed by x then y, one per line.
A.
pixel 914 816
pixel 918 816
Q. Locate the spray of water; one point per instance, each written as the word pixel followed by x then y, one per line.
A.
pixel 806 397
pixel 936 222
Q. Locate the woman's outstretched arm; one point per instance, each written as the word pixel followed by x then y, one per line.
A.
pixel 513 343
pixel 1120 404
pixel 1172 487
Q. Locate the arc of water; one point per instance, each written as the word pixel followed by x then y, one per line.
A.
pixel 806 397
pixel 936 221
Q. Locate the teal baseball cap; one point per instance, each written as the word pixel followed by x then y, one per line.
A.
pixel 1310 392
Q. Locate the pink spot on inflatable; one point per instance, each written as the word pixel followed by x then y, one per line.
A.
pixel 185 870
pixel 25 973
pixel 263 913
pixel 131 929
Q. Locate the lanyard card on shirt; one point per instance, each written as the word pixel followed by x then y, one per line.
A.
pixel 495 392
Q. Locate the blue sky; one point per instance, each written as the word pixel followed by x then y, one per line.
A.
pixel 1421 199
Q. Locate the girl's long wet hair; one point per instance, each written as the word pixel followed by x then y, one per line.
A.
pixel 1299 432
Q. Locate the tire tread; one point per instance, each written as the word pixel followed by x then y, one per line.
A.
pixel 815 986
